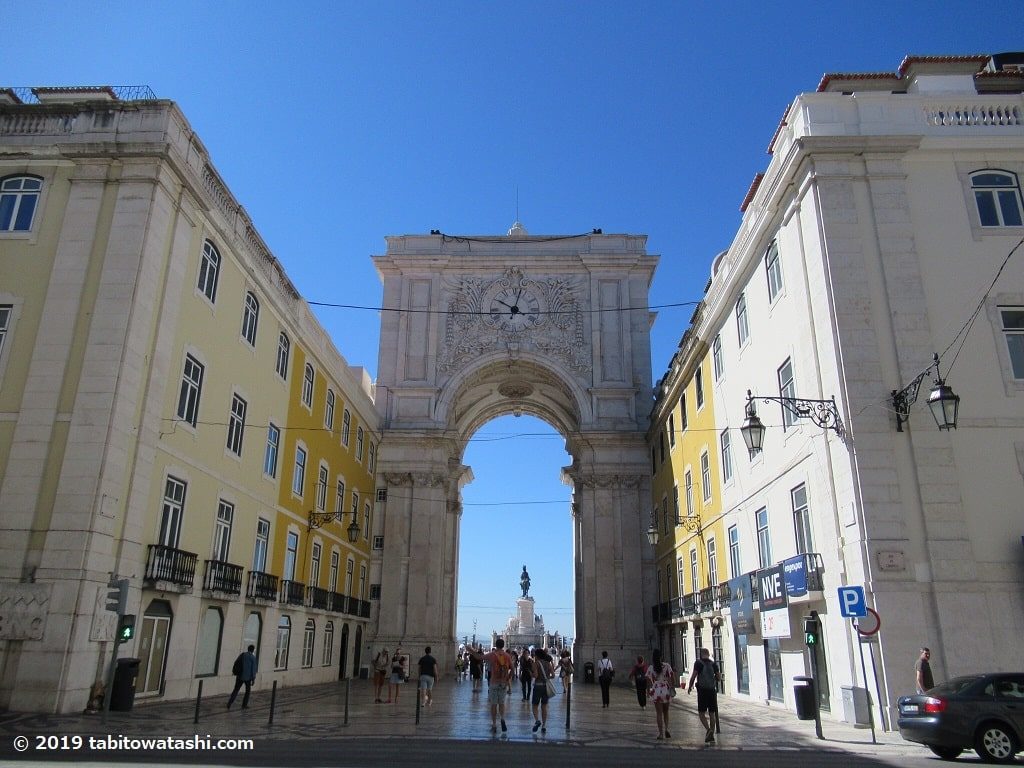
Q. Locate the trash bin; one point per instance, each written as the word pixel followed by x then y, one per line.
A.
pixel 122 695
pixel 806 700
pixel 364 673
pixel 855 705
pixel 588 672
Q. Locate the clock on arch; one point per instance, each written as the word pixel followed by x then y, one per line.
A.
pixel 514 308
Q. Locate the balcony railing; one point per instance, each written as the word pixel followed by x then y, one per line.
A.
pixel 352 609
pixel 364 609
pixel 171 565
pixel 706 599
pixel 338 602
pixel 262 586
pixel 689 604
pixel 222 577
pixel 317 598
pixel 293 592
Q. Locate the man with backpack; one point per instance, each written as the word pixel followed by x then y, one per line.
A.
pixel 244 670
pixel 500 682
pixel 706 676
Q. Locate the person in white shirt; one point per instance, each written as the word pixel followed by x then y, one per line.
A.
pixel 605 673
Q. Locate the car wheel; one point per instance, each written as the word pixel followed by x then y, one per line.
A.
pixel 995 743
pixel 946 753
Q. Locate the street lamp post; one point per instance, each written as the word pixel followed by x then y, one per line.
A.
pixel 824 413
pixel 943 402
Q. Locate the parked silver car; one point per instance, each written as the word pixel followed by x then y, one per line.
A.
pixel 984 712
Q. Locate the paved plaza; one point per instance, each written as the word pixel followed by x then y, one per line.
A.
pixel 309 728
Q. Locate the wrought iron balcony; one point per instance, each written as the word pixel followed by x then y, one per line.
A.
pixel 262 586
pixel 338 602
pixel 317 598
pixel 171 565
pixel 689 604
pixel 220 576
pixel 352 609
pixel 706 599
pixel 293 592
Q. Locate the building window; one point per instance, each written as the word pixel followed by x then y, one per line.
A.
pixel 725 441
pixel 682 412
pixel 665 522
pixel 270 455
pixel 675 504
pixel 321 488
pixel 209 271
pixel 688 484
pixel 705 476
pixel 250 318
pixel 349 568
pixel 355 505
pixel 712 563
pixel 773 269
pixel 375 591
pixel 681 575
pixel 366 521
pixel 668 580
pixel 672 430
pixel 694 580
pixel 5 324
pixel 333 576
pixel 307 643
pixel 359 444
pixel 328 657
pixel 372 462
pixel 291 552
pixel 19 197
pixel 284 347
pixel 378 542
pixel 307 386
pixel 208 646
pixel 259 553
pixel 698 385
pixel 172 512
pixel 764 539
pixel 734 551
pixel 801 519
pixel 742 328
pixel 362 582
pixel 284 633
pixel 997 194
pixel 236 425
pixel 314 565
pixel 299 476
pixel 787 388
pixel 717 357
pixel 329 410
pixel 339 498
pixel 346 426
pixel 222 531
pixel 191 389
pixel 1013 331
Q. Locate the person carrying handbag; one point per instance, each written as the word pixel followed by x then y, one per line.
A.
pixel 605 673
pixel 543 670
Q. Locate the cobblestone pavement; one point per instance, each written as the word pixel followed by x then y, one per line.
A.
pixel 317 713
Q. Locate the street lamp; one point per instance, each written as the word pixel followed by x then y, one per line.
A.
pixel 353 529
pixel 824 413
pixel 943 402
pixel 652 531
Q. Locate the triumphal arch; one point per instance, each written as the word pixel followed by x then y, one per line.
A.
pixel 557 327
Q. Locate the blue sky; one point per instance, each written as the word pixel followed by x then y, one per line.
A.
pixel 336 124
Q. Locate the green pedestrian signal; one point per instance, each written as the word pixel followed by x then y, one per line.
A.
pixel 812 630
pixel 126 630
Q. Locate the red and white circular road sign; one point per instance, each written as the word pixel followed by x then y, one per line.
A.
pixel 870 624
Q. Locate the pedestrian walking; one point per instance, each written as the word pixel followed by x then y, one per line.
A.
pixel 428 676
pixel 500 662
pixel 543 670
pixel 565 669
pixel 244 670
pixel 525 673
pixel 638 674
pixel 476 667
pixel 397 674
pixel 706 676
pixel 380 673
pixel 605 673
pixel 923 671
pixel 660 680
pixel 459 663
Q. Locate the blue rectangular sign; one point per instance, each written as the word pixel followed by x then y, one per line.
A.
pixel 794 571
pixel 852 603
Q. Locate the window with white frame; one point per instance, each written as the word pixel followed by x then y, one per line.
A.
pixel 787 389
pixel 682 412
pixel 734 551
pixel 339 498
pixel 372 460
pixel 362 582
pixel 314 564
pixel 1012 319
pixel 694 572
pixel 172 512
pixel 308 636
pixel 764 539
pixel 284 633
pixel 307 385
pixel 299 475
pixel 349 568
pixel 19 198
pixel 717 356
pixel 355 505
pixel 366 520
pixel 250 318
pixel 321 487
pixel 672 430
pixel 378 542
pixel 291 552
pixel 801 519
pixel 270 454
pixel 259 552
pixel 209 271
pixel 328 658
pixel 284 347
pixel 725 442
pixel 6 310
pixel 688 485
pixel 359 443
pixel 222 531
pixel 375 591
pixel 333 576
pixel 997 194
pixel 712 562
pixel 742 325
pixel 346 426
pixel 329 410
pixel 773 270
pixel 681 575
pixel 698 385
pixel 705 475
pixel 191 389
pixel 236 425
pixel 675 504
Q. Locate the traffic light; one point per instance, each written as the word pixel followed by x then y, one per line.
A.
pixel 812 630
pixel 117 596
pixel 126 629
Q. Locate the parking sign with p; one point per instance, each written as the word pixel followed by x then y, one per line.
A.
pixel 852 603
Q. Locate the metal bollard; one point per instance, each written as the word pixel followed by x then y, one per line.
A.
pixel 348 688
pixel 199 698
pixel 568 705
pixel 418 698
pixel 273 699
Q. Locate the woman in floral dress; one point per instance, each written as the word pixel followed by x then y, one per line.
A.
pixel 661 689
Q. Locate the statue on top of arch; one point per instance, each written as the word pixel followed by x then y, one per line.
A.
pixel 524 582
